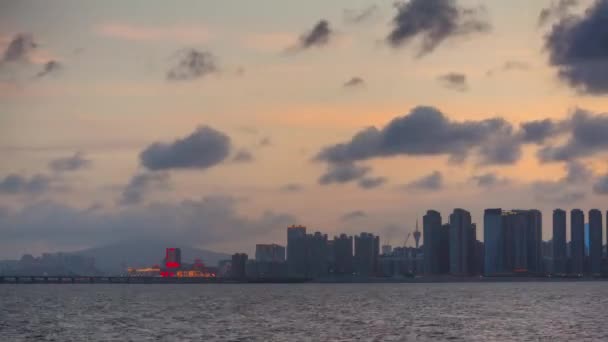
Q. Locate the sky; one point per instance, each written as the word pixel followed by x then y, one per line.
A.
pixel 217 124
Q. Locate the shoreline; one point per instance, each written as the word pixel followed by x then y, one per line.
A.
pixel 29 280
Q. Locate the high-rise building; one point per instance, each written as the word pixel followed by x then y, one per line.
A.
pixel 595 241
pixel 534 239
pixel 461 243
pixel 475 257
pixel 269 253
pixel 494 242
pixel 239 264
pixel 513 241
pixel 343 254
pixel 367 249
pixel 436 244
pixel 577 241
pixel 560 254
pixel 297 251
pixel 317 255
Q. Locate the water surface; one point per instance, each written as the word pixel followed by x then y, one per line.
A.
pixel 305 312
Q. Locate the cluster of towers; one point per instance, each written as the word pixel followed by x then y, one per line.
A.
pixel 572 257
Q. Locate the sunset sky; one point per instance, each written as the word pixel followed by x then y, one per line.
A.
pixel 217 124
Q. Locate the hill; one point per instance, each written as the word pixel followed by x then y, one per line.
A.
pixel 116 257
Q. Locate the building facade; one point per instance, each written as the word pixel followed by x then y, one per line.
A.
pixel 343 255
pixel 296 251
pixel 462 242
pixel 595 241
pixel 577 241
pixel 269 253
pixel 560 254
pixel 367 250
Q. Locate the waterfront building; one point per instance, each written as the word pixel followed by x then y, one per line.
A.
pixel 494 243
pixel 343 255
pixel 297 251
pixel 560 256
pixel 577 241
pixel 238 267
pixel 269 253
pixel 367 249
pixel 436 244
pixel 595 241
pixel 461 242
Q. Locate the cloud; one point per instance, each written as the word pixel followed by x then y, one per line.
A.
pixel 141 184
pixel 454 81
pixel 427 131
pixel 243 156
pixel 488 180
pixel 353 215
pixel 192 64
pixel 70 163
pixel 538 131
pixel 577 172
pixel 601 185
pixel 318 36
pixel 354 82
pixel 371 182
pixel 189 34
pixel 14 184
pixel 432 182
pixel 19 48
pixel 567 189
pixel 201 222
pixel 202 149
pixel 49 68
pixel 577 48
pixel 343 173
pixel 292 187
pixel 587 136
pixel 433 21
pixel 558 9
pixel 353 16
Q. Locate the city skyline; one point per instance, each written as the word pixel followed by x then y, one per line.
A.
pixel 219 125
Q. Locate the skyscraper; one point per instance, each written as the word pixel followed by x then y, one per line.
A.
pixel 317 255
pixel 436 244
pixel 367 249
pixel 461 245
pixel 559 241
pixel 296 251
pixel 577 241
pixel 494 243
pixel 534 239
pixel 516 252
pixel 513 241
pixel 343 255
pixel 595 241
